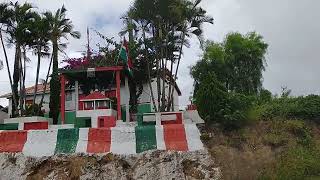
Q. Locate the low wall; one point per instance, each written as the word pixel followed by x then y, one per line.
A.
pixel 27 119
pixel 118 140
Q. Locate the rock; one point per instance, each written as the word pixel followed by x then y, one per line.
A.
pixel 149 165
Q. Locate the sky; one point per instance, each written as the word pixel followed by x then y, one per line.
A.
pixel 291 28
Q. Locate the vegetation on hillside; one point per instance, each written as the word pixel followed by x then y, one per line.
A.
pixel 250 132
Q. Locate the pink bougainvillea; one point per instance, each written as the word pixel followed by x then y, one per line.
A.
pixel 94 61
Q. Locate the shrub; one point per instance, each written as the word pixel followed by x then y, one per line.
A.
pixel 211 98
pixel 305 108
pixel 215 104
pixel 296 163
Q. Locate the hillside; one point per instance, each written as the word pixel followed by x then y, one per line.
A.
pixel 279 149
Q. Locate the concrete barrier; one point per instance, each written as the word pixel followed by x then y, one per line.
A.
pixel 12 141
pixel 123 140
pixel 40 143
pixel 194 116
pixel 99 140
pixel 82 141
pixel 118 140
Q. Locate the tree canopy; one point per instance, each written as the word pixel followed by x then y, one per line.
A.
pixel 238 62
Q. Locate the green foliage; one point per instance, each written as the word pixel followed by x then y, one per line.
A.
pixel 215 104
pixel 30 110
pixel 301 157
pixel 60 27
pixel 303 107
pixel 296 163
pixel 211 99
pixel 238 62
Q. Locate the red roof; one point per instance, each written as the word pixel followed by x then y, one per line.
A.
pixel 95 95
pixel 30 90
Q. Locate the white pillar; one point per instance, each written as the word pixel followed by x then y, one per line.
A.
pixel 76 86
pixel 127 99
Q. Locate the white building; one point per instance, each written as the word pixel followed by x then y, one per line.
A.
pixel 74 103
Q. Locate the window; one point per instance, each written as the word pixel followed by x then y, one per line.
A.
pixel 88 105
pixel 68 96
pixel 102 104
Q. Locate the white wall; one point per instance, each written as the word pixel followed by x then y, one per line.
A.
pixel 155 93
pixel 144 98
pixel 94 114
pixel 71 105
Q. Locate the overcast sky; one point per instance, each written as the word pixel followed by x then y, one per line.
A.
pixel 291 28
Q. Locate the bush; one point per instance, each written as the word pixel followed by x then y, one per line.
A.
pixel 296 163
pixel 211 99
pixel 305 108
pixel 215 104
pixel 33 110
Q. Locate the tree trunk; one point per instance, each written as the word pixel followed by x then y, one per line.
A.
pixel 24 76
pixel 164 73
pixel 45 86
pixel 21 89
pixel 171 71
pixel 149 71
pixel 54 85
pixel 177 68
pixel 157 67
pixel 37 79
pixel 16 76
pixel 14 99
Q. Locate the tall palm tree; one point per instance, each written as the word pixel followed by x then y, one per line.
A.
pixel 60 27
pixel 40 34
pixel 19 33
pixel 169 24
pixel 194 18
pixel 5 16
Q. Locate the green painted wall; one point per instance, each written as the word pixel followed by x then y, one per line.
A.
pixel 67 140
pixel 144 108
pixel 70 118
pixel 9 126
pixel 145 138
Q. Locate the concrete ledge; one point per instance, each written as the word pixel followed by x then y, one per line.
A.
pixel 27 119
pixel 61 126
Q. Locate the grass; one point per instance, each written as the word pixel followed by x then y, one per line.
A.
pixel 277 149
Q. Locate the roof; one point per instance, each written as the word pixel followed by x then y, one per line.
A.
pixel 94 96
pixel 30 90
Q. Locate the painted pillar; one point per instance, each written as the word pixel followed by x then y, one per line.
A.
pixel 76 86
pixel 127 100
pixel 118 81
pixel 62 98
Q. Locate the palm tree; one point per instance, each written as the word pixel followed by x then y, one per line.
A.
pixel 19 33
pixel 5 16
pixel 195 17
pixel 168 24
pixel 40 33
pixel 60 27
